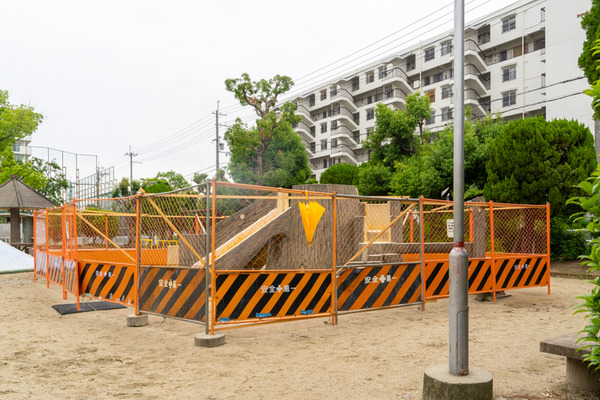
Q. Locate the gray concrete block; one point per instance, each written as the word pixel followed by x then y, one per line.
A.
pixel 202 340
pixel 134 320
pixel 439 384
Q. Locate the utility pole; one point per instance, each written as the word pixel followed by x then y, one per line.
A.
pixel 131 155
pixel 217 144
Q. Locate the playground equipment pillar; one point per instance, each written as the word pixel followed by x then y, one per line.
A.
pixel 459 259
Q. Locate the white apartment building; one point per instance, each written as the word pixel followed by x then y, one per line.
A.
pixel 519 61
pixel 21 149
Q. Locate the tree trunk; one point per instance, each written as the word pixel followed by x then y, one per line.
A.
pixel 15 226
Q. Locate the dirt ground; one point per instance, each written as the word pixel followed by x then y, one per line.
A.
pixel 373 355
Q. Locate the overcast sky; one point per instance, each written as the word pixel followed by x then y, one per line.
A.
pixel 107 75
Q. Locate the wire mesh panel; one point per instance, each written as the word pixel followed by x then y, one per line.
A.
pixel 173 228
pixel 519 229
pixel 106 230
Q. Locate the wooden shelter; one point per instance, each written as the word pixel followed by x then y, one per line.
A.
pixel 16 196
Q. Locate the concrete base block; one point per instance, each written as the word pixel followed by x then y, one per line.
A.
pixel 581 376
pixel 137 320
pixel 218 339
pixel 439 384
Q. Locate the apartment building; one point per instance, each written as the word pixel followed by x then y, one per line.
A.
pixel 21 149
pixel 508 70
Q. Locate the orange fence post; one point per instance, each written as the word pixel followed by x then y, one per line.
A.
pixel 493 247
pixel 63 232
pixel 106 229
pixel 548 242
pixel 74 236
pixel 34 246
pixel 471 225
pixel 411 228
pixel 47 250
pixel 213 279
pixel 422 235
pixel 334 261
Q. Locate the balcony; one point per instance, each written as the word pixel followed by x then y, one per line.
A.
pixel 398 75
pixel 475 78
pixel 343 150
pixel 306 132
pixel 480 106
pixel 395 97
pixel 475 56
pixel 346 98
pixel 305 114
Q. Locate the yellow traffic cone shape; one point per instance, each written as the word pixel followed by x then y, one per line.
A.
pixel 311 213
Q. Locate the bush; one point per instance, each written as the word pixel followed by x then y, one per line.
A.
pixel 567 241
pixel 341 174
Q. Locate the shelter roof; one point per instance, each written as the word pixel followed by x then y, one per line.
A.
pixel 16 194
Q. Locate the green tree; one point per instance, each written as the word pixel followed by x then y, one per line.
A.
pixel 431 171
pixel 374 179
pixel 341 174
pixel 46 178
pixel 122 189
pixel 164 182
pixel 536 161
pixel 269 153
pixel 588 60
pixel 16 122
pixel 199 178
pixel 418 108
pixel 393 136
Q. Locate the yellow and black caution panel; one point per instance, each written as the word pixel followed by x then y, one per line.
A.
pixel 173 292
pixel 55 266
pixel 71 277
pixel 365 288
pixel 111 282
pixel 523 272
pixel 248 296
pixel 436 277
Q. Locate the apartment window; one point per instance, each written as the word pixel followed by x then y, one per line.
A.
pixel 509 98
pixel 509 73
pixel 544 80
pixel 312 131
pixel 431 95
pixel 382 72
pixel 446 114
pixel 324 127
pixel 356 137
pixel 429 54
pixel 411 62
pixel 370 76
pixel 323 94
pixel 313 147
pixel 369 131
pixel 426 81
pixel 324 145
pixel 542 14
pixel 16 147
pixel 333 91
pixel 483 38
pixel 431 120
pixel 334 125
pixel 311 100
pixel 355 83
pixel 508 24
pixel 447 47
pixel 334 143
pixel 325 163
pixel 370 114
pixel 447 92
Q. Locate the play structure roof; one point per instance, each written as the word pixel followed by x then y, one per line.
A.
pixel 16 194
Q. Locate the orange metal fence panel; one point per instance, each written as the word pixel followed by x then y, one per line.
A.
pixel 173 292
pixel 363 288
pixel 436 277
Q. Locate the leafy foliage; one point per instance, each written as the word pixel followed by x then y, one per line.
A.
pixel 269 153
pixel 122 190
pixel 567 242
pixel 534 161
pixel 46 178
pixel 16 122
pixel 374 179
pixel 418 108
pixel 341 174
pixel 590 22
pixel 431 171
pixel 590 204
pixel 164 182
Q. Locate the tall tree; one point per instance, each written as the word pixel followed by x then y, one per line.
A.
pixel 393 136
pixel 537 161
pixel 418 108
pixel 588 60
pixel 16 122
pixel 269 153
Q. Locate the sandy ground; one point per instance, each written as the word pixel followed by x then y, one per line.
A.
pixel 373 355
